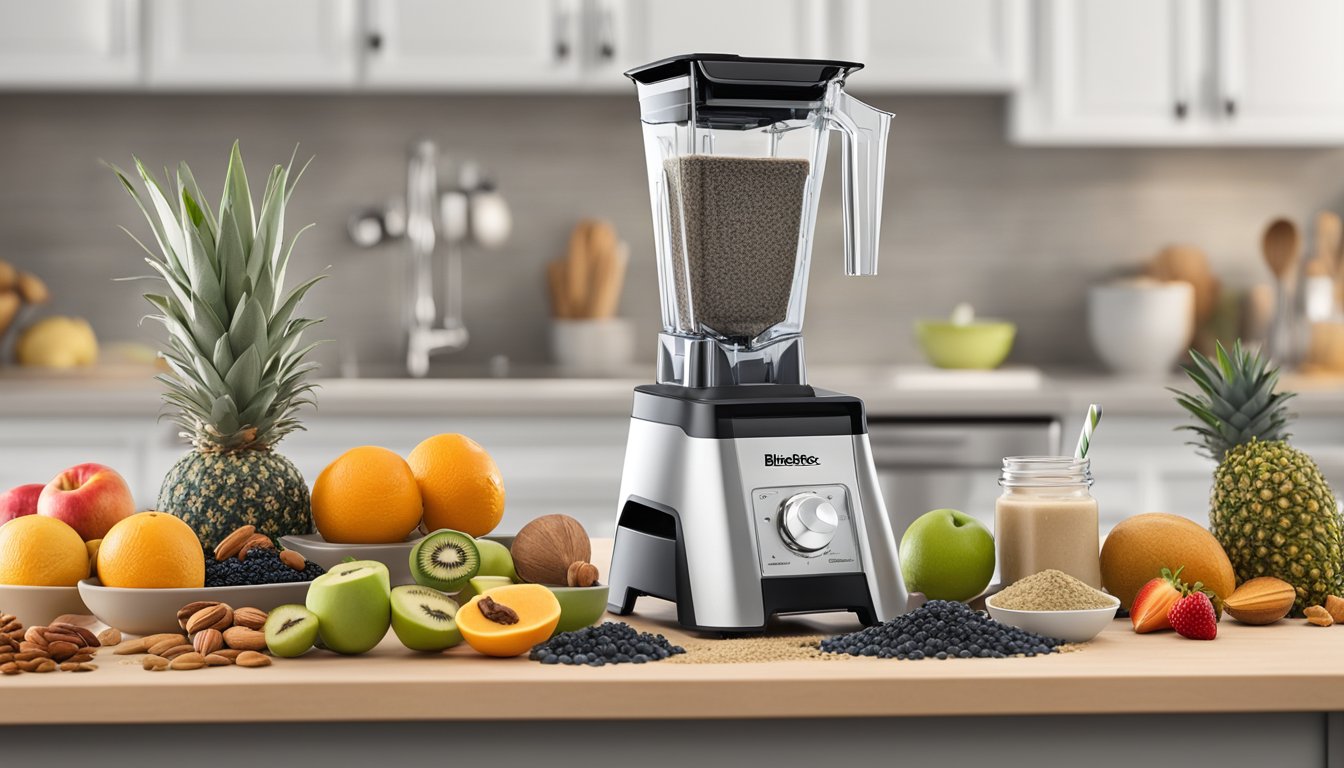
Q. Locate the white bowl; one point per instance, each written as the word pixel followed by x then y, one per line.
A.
pixel 150 611
pixel 1139 327
pixel 37 606
pixel 397 557
pixel 1069 626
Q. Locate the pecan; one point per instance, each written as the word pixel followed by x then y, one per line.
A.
pixel 231 544
pixel 85 635
pixel 10 668
pixel 186 611
pixel 188 661
pixel 497 612
pixel 74 666
pixel 207 641
pixel 6 657
pixel 61 650
pixel 109 637
pixel 293 560
pixel 36 636
pixel 218 616
pixel 31 655
pixel 581 574
pixel 43 665
pixel 252 618
pixel 81 657
pixel 244 639
pixel 253 659
pixel 155 663
pixel 27 647
pixel 256 541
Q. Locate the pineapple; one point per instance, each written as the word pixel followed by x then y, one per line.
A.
pixel 234 351
pixel 1271 510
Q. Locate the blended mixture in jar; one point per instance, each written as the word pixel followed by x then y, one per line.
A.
pixel 1051 590
pixel 739 218
pixel 1036 533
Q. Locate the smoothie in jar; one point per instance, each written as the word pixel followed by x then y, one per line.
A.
pixel 1047 518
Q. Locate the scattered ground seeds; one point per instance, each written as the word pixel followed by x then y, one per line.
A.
pixel 611 642
pixel 941 630
pixel 749 650
pixel 1051 590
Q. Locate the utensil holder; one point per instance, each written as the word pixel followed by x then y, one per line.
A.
pixel 602 346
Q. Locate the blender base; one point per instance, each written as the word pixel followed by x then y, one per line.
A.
pixel 719 489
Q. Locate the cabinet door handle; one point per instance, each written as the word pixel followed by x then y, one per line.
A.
pixel 1181 109
pixel 606 34
pixel 1230 107
pixel 562 24
pixel 374 41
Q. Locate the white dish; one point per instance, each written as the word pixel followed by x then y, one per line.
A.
pixel 397 557
pixel 37 606
pixel 1069 626
pixel 149 611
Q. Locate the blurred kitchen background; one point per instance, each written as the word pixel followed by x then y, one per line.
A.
pixel 1039 149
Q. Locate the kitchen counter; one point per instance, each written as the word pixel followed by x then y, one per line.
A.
pixel 1063 395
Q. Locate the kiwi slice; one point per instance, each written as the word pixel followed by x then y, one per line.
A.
pixel 424 618
pixel 445 560
pixel 290 630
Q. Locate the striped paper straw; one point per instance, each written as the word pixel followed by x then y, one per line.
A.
pixel 1085 439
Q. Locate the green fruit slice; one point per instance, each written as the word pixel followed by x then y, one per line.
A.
pixel 496 560
pixel 424 618
pixel 445 560
pixel 353 605
pixel 482 584
pixel 290 631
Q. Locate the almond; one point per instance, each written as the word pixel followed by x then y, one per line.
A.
pixel 1319 616
pixel 10 668
pixel 109 637
pixel 45 665
pixel 207 641
pixel 178 650
pixel 253 659
pixel 229 653
pixel 293 560
pixel 131 647
pixel 244 639
pixel 82 657
pixel 256 541
pixel 215 660
pixel 30 655
pixel 218 616
pixel 231 544
pixel 1262 600
pixel 188 661
pixel 155 663
pixel 186 611
pixel 75 666
pixel 252 618
pixel 172 641
pixel 1335 607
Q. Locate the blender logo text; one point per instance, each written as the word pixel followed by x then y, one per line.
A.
pixel 796 460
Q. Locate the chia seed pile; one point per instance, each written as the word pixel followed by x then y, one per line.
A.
pixel 941 629
pixel 262 566
pixel 611 642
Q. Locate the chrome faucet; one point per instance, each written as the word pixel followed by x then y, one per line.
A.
pixel 423 338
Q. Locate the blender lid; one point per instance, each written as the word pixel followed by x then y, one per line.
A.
pixel 733 91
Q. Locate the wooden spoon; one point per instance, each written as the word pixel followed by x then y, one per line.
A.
pixel 1281 244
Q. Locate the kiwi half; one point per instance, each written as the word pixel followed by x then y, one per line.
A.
pixel 424 618
pixel 445 560
pixel 290 631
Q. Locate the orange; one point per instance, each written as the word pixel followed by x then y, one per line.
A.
pixel 459 483
pixel 538 614
pixel 38 551
pixel 366 496
pixel 151 550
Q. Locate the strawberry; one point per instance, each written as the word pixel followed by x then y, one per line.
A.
pixel 1148 612
pixel 1192 616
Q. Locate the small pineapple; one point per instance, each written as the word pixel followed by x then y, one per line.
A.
pixel 238 370
pixel 1271 509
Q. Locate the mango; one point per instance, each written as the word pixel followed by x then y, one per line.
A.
pixel 1139 548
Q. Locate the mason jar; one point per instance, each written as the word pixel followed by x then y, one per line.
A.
pixel 1046 518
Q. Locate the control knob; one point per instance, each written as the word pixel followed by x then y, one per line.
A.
pixel 808 522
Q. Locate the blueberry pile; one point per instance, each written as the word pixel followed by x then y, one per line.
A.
pixel 262 566
pixel 941 630
pixel 611 642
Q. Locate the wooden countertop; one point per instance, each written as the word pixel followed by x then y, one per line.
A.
pixel 1290 666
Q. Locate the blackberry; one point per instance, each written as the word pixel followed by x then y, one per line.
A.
pixel 941 630
pixel 262 566
pixel 611 642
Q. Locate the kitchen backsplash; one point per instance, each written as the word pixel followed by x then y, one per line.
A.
pixel 1020 233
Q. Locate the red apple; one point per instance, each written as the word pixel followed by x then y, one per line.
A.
pixel 19 501
pixel 90 498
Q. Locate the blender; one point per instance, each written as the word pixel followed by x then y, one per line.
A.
pixel 746 492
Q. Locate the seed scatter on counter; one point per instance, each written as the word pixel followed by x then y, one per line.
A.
pixel 611 642
pixel 262 566
pixel 755 650
pixel 941 629
pixel 1051 590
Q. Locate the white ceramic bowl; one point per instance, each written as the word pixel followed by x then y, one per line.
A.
pixel 1069 626
pixel 149 611
pixel 1141 327
pixel 397 557
pixel 37 606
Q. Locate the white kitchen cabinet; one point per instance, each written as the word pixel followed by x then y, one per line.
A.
pixel 622 34
pixel 931 45
pixel 254 44
pixel 69 43
pixel 472 45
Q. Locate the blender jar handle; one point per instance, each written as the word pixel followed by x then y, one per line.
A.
pixel 864 131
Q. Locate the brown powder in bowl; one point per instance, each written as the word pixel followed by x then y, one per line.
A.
pixel 1051 590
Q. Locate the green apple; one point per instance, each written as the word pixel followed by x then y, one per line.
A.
pixel 424 618
pixel 495 560
pixel 947 555
pixel 479 585
pixel 353 604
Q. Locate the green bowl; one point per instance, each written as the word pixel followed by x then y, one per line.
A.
pixel 579 606
pixel 980 345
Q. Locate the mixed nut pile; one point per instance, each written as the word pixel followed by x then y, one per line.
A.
pixel 61 646
pixel 216 635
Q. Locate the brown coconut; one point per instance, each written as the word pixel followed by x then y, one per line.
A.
pixel 545 548
pixel 1139 548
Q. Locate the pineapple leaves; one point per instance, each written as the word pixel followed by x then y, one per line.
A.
pixel 1236 402
pixel 234 352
